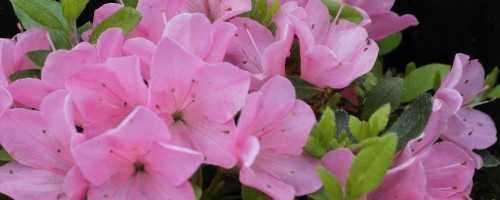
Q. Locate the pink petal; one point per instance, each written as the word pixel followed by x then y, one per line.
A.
pixel 318 20
pixel 63 63
pixel 220 38
pixel 5 100
pixel 452 78
pixel 372 6
pixel 406 181
pixel 22 182
pixel 201 134
pixel 30 91
pixel 109 44
pixel 112 91
pixel 448 169
pixel 31 40
pixel 172 163
pixel 388 23
pixel 450 97
pixel 170 78
pixel 248 150
pixel 105 11
pixel 144 49
pixel 218 11
pixel 472 80
pixel 219 93
pixel 75 185
pixel 49 131
pixel 480 131
pixel 338 162
pixel 152 24
pixel 282 175
pixel 117 150
pixel 7 48
pixel 191 31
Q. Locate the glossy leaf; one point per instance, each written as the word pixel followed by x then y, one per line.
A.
pixel 130 3
pixel 412 121
pixel 5 156
pixel 27 73
pixel 330 183
pixel 494 92
pixel 388 91
pixel 126 18
pixel 388 44
pixel 322 133
pixel 370 165
pixel 488 159
pixel 248 193
pixel 342 125
pixel 39 12
pixel 38 57
pixel 303 89
pixel 72 9
pixel 422 79
pixel 378 121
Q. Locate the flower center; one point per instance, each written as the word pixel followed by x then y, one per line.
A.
pixel 177 116
pixel 139 167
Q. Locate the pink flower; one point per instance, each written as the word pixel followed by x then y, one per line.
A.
pixel 218 11
pixel 136 161
pixel 272 130
pixel 383 21
pixel 61 64
pixel 332 54
pixel 451 119
pixel 105 94
pixel 197 35
pixel 39 141
pixel 197 100
pixel 255 50
pixel 13 52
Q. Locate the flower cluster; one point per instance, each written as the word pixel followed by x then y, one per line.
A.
pixel 145 112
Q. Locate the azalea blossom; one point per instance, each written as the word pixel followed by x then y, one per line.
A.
pixel 272 130
pixel 137 161
pixel 197 100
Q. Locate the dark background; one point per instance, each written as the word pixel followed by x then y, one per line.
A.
pixel 446 27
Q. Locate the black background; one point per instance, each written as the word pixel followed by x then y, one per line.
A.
pixel 446 27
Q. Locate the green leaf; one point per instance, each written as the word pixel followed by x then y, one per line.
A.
pixel 387 91
pixel 126 18
pixel 330 183
pixel 38 11
pixel 348 12
pixel 60 38
pixel 5 156
pixel 85 27
pixel 356 127
pixel 130 3
pixel 72 9
pixel 321 194
pixel 38 57
pixel 322 134
pixel 248 193
pixel 413 120
pixel 494 92
pixel 378 121
pixel 422 79
pixel 389 43
pixel 370 166
pixel 303 89
pixel 275 6
pixel 491 78
pixel 378 68
pixel 437 81
pixel 197 191
pixel 488 159
pixel 27 73
pixel 342 125
pixel 411 66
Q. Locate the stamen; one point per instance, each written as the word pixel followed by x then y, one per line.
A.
pixel 449 166
pixel 333 26
pixel 164 16
pixel 252 40
pixel 50 41
pixel 480 103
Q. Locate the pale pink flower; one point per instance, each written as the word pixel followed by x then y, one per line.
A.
pixel 332 54
pixel 136 161
pixel 272 130
pixel 197 100
pixel 196 34
pixel 256 50
pixel 39 142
